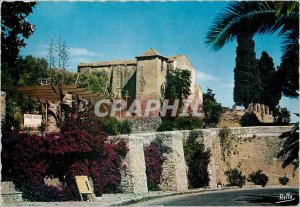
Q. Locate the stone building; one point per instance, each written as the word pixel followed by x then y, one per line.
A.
pixel 142 77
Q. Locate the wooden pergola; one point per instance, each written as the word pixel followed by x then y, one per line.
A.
pixel 53 93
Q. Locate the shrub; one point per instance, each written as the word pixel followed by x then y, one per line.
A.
pixel 110 125
pixel 284 180
pixel 212 109
pixel 125 127
pixel 166 125
pixel 188 123
pixel 154 159
pixel 197 159
pixel 282 116
pixel 113 127
pixel 40 192
pixel 79 149
pixel 249 119
pixel 235 178
pixel 258 178
pixel 227 142
pixel 181 123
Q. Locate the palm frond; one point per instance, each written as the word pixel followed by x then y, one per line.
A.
pixel 241 17
pixel 286 7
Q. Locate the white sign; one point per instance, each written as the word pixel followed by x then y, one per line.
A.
pixel 32 120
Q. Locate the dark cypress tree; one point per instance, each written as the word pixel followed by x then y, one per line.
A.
pixel 246 74
pixel 270 94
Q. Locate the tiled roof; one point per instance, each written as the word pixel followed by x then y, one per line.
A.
pixel 174 57
pixel 108 63
pixel 149 53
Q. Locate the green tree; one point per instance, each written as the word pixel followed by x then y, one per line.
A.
pixel 197 159
pixel 31 70
pixel 270 95
pixel 263 17
pixel 95 81
pixel 212 109
pixel 15 29
pixel 282 116
pixel 177 85
pixel 246 76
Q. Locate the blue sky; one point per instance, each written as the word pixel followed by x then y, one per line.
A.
pixel 97 31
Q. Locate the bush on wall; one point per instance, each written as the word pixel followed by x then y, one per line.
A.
pixel 112 126
pixel 181 123
pixel 227 142
pixel 235 177
pixel 154 160
pixel 197 158
pixel 284 180
pixel 81 148
pixel 258 178
pixel 249 119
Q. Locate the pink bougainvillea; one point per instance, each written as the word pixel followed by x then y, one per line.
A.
pixel 81 148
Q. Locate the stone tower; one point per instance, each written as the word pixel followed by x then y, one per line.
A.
pixel 150 75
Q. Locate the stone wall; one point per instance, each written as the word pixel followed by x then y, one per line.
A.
pixel 256 148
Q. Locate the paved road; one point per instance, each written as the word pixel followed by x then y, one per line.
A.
pixel 267 196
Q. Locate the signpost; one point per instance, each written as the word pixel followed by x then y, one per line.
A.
pixel 83 185
pixel 32 120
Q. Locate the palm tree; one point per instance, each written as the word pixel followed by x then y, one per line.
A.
pixel 290 149
pixel 261 17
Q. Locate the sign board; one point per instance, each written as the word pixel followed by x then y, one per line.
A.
pixel 83 184
pixel 32 120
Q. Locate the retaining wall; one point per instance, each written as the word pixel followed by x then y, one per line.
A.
pixel 255 148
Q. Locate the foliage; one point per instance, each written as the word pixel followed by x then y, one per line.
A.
pixel 15 29
pixel 188 123
pixel 180 123
pixel 79 149
pixel 270 93
pixel 284 180
pixel 31 70
pixel 197 159
pixel 125 127
pixel 290 149
pixel 249 119
pixel 110 125
pixel 41 192
pixel 235 177
pixel 177 85
pixel 96 81
pixel 258 178
pixel 246 75
pixel 59 76
pixel 227 142
pixel 263 17
pixel 212 109
pixel 282 116
pixel 166 125
pixel 154 159
pixel 113 127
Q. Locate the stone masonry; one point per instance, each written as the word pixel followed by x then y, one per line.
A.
pixel 255 148
pixel 142 78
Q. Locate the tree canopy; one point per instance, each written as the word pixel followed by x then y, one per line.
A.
pixel 15 29
pixel 246 76
pixel 177 85
pixel 212 109
pixel 263 17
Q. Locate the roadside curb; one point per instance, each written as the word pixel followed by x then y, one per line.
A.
pixel 193 191
pixel 150 197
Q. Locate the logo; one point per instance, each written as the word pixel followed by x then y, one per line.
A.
pixel 285 198
pixel 148 108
